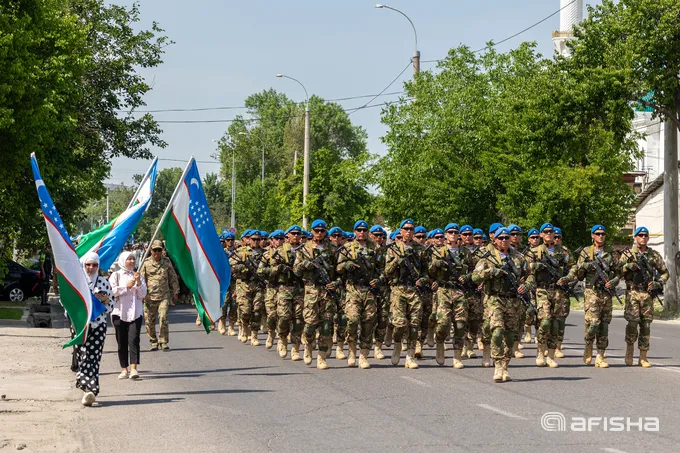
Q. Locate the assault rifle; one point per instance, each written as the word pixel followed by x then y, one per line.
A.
pixel 321 274
pixel 406 259
pixel 649 274
pixel 553 268
pixel 510 270
pixel 248 263
pixel 452 263
pixel 602 279
pixel 367 266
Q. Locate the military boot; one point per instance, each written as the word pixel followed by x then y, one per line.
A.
pixel 643 362
pixel 440 356
pixel 419 350
pixel 600 361
pixel 550 360
pixel 221 328
pixel 282 347
pixel 520 346
pixel 486 357
pixel 378 354
pixel 471 354
pixel 629 354
pixel 506 376
pixel 198 320
pixel 321 361
pixel 497 371
pixel 396 353
pixel 270 340
pixel 527 334
pixel 516 352
pixel 230 331
pixel 363 359
pixel 295 352
pixel 588 354
pixel 308 354
pixel 429 340
pixel 245 334
pixel 388 336
pixel 339 353
pixel 410 360
pixel 253 339
pixel 457 363
pixel 558 351
pixel 540 357
pixel 352 355
pixel 465 350
pixel 480 344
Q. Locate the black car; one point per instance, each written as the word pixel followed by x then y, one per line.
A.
pixel 20 283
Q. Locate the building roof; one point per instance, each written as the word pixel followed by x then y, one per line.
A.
pixel 650 189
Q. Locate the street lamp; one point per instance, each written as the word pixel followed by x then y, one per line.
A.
pixel 416 53
pixel 233 185
pixel 262 142
pixel 305 175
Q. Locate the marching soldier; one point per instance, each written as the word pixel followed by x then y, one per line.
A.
pixel 379 238
pixel 645 273
pixel 516 242
pixel 406 270
pixel 315 263
pixel 485 334
pixel 230 303
pixel 598 266
pixel 265 270
pixel 472 295
pixel 501 270
pixel 427 297
pixel 534 240
pixel 361 263
pixel 565 306
pixel 338 239
pixel 244 267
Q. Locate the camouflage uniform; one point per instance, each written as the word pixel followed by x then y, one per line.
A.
pixel 429 302
pixel 597 301
pixel 289 298
pixel 639 309
pixel 320 304
pixel 361 306
pixel 244 268
pixel 501 303
pixel 162 285
pixel 551 300
pixel 475 304
pixel 265 271
pixel 229 307
pixel 406 308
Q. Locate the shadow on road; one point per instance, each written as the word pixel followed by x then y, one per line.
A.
pixel 552 378
pixel 195 349
pixel 215 370
pixel 267 374
pixel 201 392
pixel 137 402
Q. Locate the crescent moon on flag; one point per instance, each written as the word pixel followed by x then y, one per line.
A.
pixel 194 181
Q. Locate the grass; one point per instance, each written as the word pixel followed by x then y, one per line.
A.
pixel 11 313
pixel 659 311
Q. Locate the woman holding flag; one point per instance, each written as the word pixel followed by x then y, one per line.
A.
pixel 87 378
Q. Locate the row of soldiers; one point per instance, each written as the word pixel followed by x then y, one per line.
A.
pixel 422 288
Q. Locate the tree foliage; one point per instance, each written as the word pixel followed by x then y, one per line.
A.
pixel 509 137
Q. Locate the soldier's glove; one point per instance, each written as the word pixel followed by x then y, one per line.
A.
pixel 421 282
pixel 349 266
pixel 307 264
pixel 633 267
pixel 435 286
pixel 495 272
pixel 539 267
pixel 375 283
pixel 656 286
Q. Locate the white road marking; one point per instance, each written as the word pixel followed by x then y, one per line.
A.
pixel 613 450
pixel 502 412
pixel 416 381
pixel 656 338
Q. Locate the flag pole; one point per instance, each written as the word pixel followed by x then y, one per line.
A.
pixel 141 183
pixel 167 209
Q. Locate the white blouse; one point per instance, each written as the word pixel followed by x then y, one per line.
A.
pixel 128 302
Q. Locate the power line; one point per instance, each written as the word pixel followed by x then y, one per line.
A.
pixel 383 90
pixel 513 36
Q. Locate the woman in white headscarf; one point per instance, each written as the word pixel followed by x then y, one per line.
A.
pixel 129 289
pixel 90 355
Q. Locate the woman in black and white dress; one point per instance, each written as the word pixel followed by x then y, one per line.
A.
pixel 90 355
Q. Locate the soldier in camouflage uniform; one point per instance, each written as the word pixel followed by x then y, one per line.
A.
pixel 597 297
pixel 265 270
pixel 516 243
pixel 162 287
pixel 501 270
pixel 229 307
pixel 248 289
pixel 379 238
pixel 565 307
pixel 361 263
pixel 406 271
pixel 315 263
pixel 451 269
pixel 486 331
pixel 645 272
pixel 534 239
pixel 472 295
pixel 549 263
pixel 338 238
pixel 427 297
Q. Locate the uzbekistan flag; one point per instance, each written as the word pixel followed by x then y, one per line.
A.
pixel 76 297
pixel 109 239
pixel 192 242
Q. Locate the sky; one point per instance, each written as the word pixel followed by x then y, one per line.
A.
pixel 226 50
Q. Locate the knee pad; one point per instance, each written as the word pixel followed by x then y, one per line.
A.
pixel 342 320
pixel 593 329
pixel 256 317
pixel 561 324
pixel 545 325
pixel 298 325
pixel 632 326
pixel 412 333
pixel 459 330
pixel 326 329
pixel 604 329
pixel 497 336
pixel 310 329
pixel 645 328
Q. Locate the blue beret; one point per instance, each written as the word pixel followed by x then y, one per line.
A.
pixel 318 223
pixel 494 227
pixel 335 230
pixel 437 231
pixel 263 233
pixel 377 229
pixel 278 234
pixel 244 233
pixel 485 237
pixel 393 235
pixel 429 235
pixel 309 235
pixel 532 232
pixel 255 233
pixel 512 228
pixel 558 231
pixel 478 231
pixel 293 228
pixel 405 221
pixel 546 225
pixel 640 229
pixel 452 226
pixel 597 227
pixel 501 230
pixel 351 236
pixel 420 229
pixel 360 224
pixel 229 235
pixel 465 228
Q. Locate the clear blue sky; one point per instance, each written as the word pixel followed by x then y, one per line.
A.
pixel 226 50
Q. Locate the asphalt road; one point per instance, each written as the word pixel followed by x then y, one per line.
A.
pixel 212 392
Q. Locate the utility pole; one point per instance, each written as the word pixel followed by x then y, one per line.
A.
pixel 233 187
pixel 305 176
pixel 670 227
pixel 416 52
pixel 416 63
pixel 107 205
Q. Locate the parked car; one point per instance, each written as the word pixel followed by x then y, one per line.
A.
pixel 20 283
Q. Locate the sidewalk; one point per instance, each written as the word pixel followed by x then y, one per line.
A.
pixel 39 404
